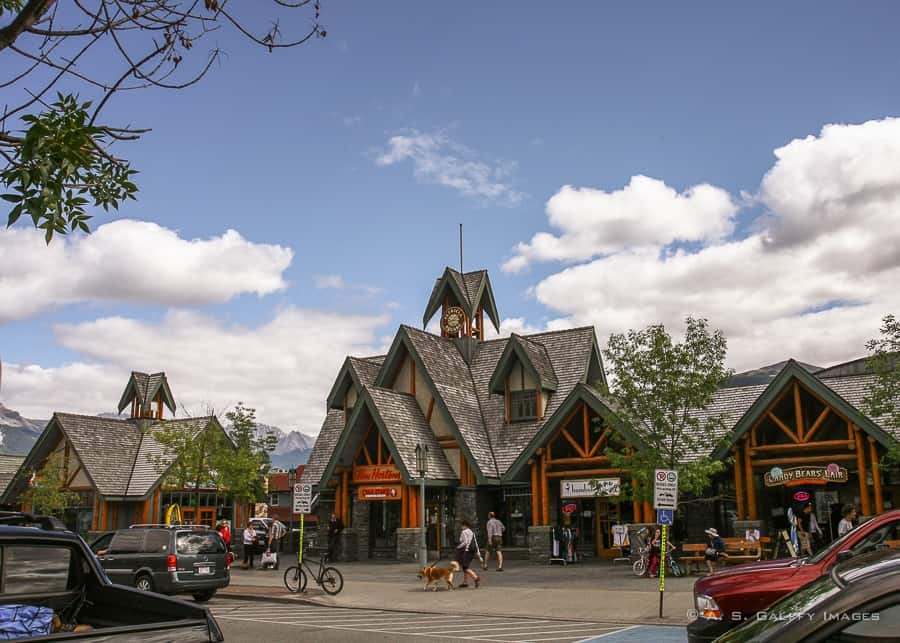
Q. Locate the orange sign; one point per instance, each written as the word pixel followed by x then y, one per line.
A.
pixel 376 473
pixel 379 492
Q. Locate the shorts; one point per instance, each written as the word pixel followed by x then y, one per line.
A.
pixel 464 558
pixel 495 544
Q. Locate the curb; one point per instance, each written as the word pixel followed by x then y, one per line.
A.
pixel 289 600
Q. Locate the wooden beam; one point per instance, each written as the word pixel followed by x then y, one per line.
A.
pixel 535 495
pixel 636 506
pixel 876 476
pixel 584 421
pixel 751 489
pixel 506 401
pixel 545 492
pixel 539 402
pixel 819 420
pixel 390 458
pixel 462 468
pixel 600 459
pixel 739 483
pixel 430 410
pixel 572 441
pixel 784 427
pixel 403 509
pixel 583 472
pixel 345 503
pixel 798 411
pixel 648 513
pixel 367 454
pixel 378 461
pixel 861 473
pixel 805 446
pixel 808 459
pixel 600 440
pixel 95 518
pixel 72 478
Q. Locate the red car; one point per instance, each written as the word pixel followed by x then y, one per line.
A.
pixel 725 599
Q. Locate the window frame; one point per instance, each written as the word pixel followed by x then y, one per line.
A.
pixel 515 404
pixel 74 572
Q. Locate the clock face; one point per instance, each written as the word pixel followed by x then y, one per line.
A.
pixel 452 320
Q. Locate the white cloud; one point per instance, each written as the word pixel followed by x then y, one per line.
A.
pixel 646 212
pixel 811 281
pixel 437 159
pixel 135 262
pixel 330 281
pixel 283 368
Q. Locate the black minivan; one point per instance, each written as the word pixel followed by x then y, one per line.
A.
pixel 169 559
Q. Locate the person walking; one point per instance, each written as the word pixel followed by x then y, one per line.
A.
pixel 715 549
pixel 249 540
pixel 811 526
pixel 846 523
pixel 225 532
pixel 495 531
pixel 335 527
pixel 465 552
pixel 655 550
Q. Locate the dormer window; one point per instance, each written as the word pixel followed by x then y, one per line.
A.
pixel 522 405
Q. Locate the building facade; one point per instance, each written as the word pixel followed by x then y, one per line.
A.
pixel 520 426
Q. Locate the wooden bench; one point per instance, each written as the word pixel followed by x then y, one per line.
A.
pixel 893 544
pixel 766 544
pixel 692 554
pixel 741 550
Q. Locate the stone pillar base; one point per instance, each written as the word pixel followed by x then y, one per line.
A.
pixel 348 545
pixel 408 541
pixel 539 538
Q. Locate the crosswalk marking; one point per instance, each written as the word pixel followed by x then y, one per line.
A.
pixel 459 627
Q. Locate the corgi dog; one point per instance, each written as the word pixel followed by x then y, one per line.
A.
pixel 437 574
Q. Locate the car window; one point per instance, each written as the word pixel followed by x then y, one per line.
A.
pixel 127 541
pixel 35 569
pixel 156 542
pixel 875 538
pixel 880 625
pixel 101 543
pixel 199 543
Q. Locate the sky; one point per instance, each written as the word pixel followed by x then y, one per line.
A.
pixel 613 164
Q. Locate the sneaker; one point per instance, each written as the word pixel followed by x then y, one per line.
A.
pixel 463 585
pixel 499 569
pixel 477 582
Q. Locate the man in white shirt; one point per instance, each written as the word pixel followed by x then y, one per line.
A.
pixel 249 545
pixel 495 531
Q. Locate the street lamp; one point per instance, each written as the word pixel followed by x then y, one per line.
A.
pixel 422 467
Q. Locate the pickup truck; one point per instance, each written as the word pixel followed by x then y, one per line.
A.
pixel 726 599
pixel 43 564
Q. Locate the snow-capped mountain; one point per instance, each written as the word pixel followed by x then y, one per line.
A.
pixel 18 434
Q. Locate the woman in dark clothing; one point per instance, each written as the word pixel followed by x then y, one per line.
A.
pixel 715 549
pixel 655 549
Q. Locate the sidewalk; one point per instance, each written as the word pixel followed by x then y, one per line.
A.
pixel 592 591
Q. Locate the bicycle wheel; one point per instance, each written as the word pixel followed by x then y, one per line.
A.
pixel 332 581
pixel 639 567
pixel 295 579
pixel 675 567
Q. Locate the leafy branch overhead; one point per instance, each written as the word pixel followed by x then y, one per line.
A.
pixel 57 151
pixel 883 397
pixel 660 386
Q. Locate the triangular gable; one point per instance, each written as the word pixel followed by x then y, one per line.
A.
pixel 402 426
pixel 532 355
pixel 145 387
pixel 470 290
pixel 595 401
pixel 356 372
pixel 332 427
pixel 792 370
pixel 455 399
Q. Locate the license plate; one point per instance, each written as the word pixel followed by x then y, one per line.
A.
pixel 204 571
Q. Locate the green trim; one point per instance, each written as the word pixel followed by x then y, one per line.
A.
pixel 447 280
pixel 595 351
pixel 402 339
pixel 792 370
pixel 501 371
pixel 581 393
pixel 339 388
pixel 131 387
pixel 490 307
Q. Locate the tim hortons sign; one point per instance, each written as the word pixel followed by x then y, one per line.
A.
pixel 376 473
pixel 378 492
pixel 795 476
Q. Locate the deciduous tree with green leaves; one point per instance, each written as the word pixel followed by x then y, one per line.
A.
pixel 56 148
pixel 244 472
pixel 47 493
pixel 883 397
pixel 658 385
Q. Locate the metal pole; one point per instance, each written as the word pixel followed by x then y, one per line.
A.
pixel 423 545
pixel 662 568
pixel 292 480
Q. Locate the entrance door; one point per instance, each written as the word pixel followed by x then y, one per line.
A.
pixel 607 514
pixel 384 520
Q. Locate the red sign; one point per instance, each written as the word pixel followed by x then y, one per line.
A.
pixel 378 492
pixel 801 496
pixel 376 473
pixel 570 508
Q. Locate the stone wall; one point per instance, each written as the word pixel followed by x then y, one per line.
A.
pixel 539 544
pixel 359 520
pixel 348 544
pixel 408 541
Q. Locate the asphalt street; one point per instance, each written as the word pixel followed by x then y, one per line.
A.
pixel 246 620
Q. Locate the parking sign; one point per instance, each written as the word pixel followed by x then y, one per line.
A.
pixel 302 498
pixel 665 489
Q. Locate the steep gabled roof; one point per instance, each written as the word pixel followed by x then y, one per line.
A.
pixel 355 372
pixel 107 448
pixel 402 426
pixel 9 465
pixel 144 473
pixel 325 445
pixel 532 355
pixel 144 387
pixel 471 289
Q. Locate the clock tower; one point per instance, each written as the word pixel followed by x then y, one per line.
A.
pixel 463 298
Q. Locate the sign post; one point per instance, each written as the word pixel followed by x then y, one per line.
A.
pixel 665 501
pixel 302 506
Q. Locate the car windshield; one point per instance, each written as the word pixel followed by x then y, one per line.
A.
pixel 199 542
pixel 789 609
pixel 837 544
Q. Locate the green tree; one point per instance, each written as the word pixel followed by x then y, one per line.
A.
pixel 883 396
pixel 57 157
pixel 659 385
pixel 47 492
pixel 244 471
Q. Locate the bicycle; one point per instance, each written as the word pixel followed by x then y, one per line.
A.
pixel 327 577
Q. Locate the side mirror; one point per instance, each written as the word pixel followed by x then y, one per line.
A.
pixel 844 555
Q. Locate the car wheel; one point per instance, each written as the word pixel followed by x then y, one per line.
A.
pixel 202 597
pixel 144 583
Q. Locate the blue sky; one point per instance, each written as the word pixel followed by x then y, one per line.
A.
pixel 284 148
